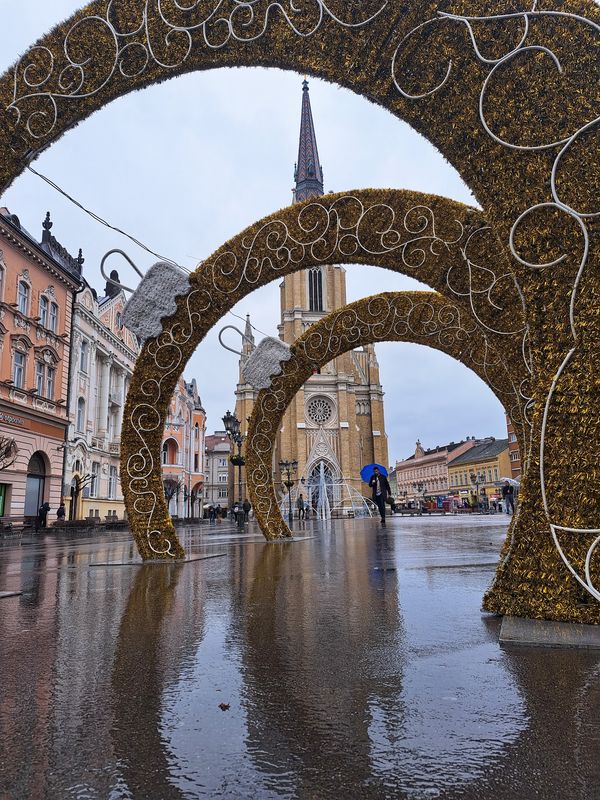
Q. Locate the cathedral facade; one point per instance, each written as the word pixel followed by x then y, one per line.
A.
pixel 335 424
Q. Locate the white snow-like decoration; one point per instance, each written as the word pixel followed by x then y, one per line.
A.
pixel 265 362
pixel 154 299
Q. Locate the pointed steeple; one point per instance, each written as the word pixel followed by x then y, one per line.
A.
pixel 308 173
pixel 248 341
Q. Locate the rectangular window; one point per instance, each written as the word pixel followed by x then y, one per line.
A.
pixel 53 321
pixel 222 478
pixel 50 380
pixel 83 356
pixel 3 486
pixel 95 479
pixel 23 297
pixel 39 378
pixel 495 473
pixel 195 462
pixel 112 483
pixel 19 370
pixel 222 493
pixel 222 462
pixel 44 311
pixel 515 456
pixel 513 437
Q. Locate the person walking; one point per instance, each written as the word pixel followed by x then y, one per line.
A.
pixel 508 497
pixel 60 514
pixel 211 515
pixel 247 507
pixel 300 507
pixel 42 517
pixel 380 489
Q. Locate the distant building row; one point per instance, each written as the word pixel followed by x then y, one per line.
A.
pixel 459 469
pixel 66 362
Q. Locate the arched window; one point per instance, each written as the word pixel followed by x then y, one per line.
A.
pixel 80 415
pixel 315 289
pixel 53 318
pixel 170 452
pixel 23 297
pixel 44 311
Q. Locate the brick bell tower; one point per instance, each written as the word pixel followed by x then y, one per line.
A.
pixel 337 417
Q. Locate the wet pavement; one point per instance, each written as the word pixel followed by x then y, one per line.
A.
pixel 353 664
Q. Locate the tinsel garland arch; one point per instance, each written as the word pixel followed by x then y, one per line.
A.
pixel 443 244
pixel 509 93
pixel 425 318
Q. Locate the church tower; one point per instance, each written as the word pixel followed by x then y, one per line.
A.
pixel 335 423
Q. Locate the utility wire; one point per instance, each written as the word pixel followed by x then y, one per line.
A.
pixel 102 221
pixel 254 328
pixel 133 239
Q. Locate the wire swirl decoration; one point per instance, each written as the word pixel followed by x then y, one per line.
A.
pixel 164 27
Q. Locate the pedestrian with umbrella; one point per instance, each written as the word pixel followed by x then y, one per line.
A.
pixel 376 476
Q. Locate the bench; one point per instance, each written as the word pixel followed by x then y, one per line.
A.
pixel 14 525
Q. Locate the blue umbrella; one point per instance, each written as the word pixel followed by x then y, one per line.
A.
pixel 366 472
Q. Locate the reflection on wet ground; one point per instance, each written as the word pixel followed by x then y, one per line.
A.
pixel 353 664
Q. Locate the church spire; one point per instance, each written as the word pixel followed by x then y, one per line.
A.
pixel 248 341
pixel 308 173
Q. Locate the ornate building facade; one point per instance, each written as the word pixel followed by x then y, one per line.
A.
pixel 424 474
pixel 335 424
pixel 38 281
pixel 104 355
pixel 183 452
pixel 217 469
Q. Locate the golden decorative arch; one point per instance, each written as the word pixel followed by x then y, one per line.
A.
pixel 444 244
pixel 418 317
pixel 508 95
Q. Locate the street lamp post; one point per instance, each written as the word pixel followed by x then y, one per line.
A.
pixel 289 467
pixel 477 478
pixel 418 487
pixel 232 428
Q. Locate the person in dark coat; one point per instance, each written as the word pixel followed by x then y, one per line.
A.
pixel 508 496
pixel 246 507
pixel 380 489
pixel 42 517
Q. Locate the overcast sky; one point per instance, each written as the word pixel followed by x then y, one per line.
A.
pixel 186 165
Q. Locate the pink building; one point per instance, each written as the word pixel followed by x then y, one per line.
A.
pixel 425 474
pixel 37 284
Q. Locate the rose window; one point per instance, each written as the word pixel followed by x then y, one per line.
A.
pixel 320 410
